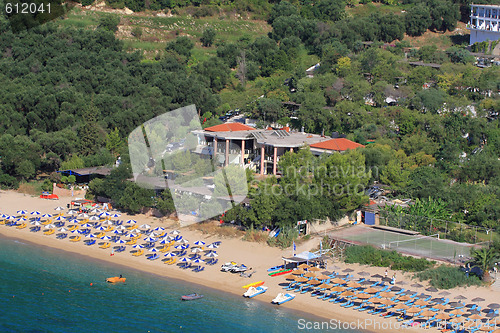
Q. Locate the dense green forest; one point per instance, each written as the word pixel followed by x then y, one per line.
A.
pixel 71 96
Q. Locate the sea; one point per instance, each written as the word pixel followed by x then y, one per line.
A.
pixel 47 290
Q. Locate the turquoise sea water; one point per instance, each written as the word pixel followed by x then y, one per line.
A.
pixel 46 290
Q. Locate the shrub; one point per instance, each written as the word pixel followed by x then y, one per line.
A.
pixel 137 32
pixel 284 239
pixel 8 181
pixel 447 277
pixel 368 255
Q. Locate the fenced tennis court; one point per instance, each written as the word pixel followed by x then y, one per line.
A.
pixel 416 244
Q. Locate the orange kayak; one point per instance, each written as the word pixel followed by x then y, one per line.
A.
pixel 115 279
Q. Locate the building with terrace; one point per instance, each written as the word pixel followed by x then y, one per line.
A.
pixel 261 149
pixel 484 23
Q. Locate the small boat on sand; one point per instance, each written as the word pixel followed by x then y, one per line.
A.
pixel 191 297
pixel 116 279
pixel 282 298
pixel 254 291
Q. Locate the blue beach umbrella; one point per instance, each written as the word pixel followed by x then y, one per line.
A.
pixel 22 212
pixel 90 236
pixel 153 249
pixel 198 261
pixel 199 243
pixel 120 241
pixel 137 246
pixel 150 239
pixel 131 221
pixel 185 260
pixel 115 215
pixel 105 237
pixel 47 216
pixel 175 232
pixel 35 213
pixel 211 254
pixel 94 218
pixel 59 218
pixel 159 229
pixel 164 241
pixel 170 255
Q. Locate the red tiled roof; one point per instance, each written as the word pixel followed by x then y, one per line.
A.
pixel 338 144
pixel 229 127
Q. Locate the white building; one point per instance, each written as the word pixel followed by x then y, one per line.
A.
pixel 484 23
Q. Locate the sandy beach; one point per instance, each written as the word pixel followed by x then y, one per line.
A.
pixel 258 256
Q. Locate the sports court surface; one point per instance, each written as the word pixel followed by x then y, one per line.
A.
pixel 418 245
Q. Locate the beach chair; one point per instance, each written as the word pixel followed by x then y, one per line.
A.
pixel 62 235
pixel 198 269
pixel 76 239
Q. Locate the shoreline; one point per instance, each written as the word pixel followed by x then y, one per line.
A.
pixel 255 255
pixel 78 255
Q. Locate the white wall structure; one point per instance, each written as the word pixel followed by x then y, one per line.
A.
pixel 484 23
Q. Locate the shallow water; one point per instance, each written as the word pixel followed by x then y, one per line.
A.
pixel 47 290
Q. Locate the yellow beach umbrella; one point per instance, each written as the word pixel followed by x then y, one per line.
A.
pixel 440 307
pixel 314 282
pixel 303 266
pixel 363 296
pixel 324 286
pixel 298 272
pixel 371 290
pixel 301 279
pixel 338 281
pixel 347 293
pixel 290 277
pixel 387 294
pixel 401 307
pixel 428 313
pixel 322 277
pixel 314 269
pixel 353 284
pixel 443 316
pixel 309 274
pixel 337 288
pixel 421 302
pixel 387 302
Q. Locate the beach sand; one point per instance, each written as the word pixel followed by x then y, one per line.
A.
pixel 258 256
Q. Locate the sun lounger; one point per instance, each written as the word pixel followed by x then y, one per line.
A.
pixel 198 269
pixel 76 239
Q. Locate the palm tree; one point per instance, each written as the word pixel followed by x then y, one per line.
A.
pixel 484 258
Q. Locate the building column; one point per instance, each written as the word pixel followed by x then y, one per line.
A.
pixel 262 160
pixel 227 152
pixel 214 148
pixel 242 152
pixel 275 157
